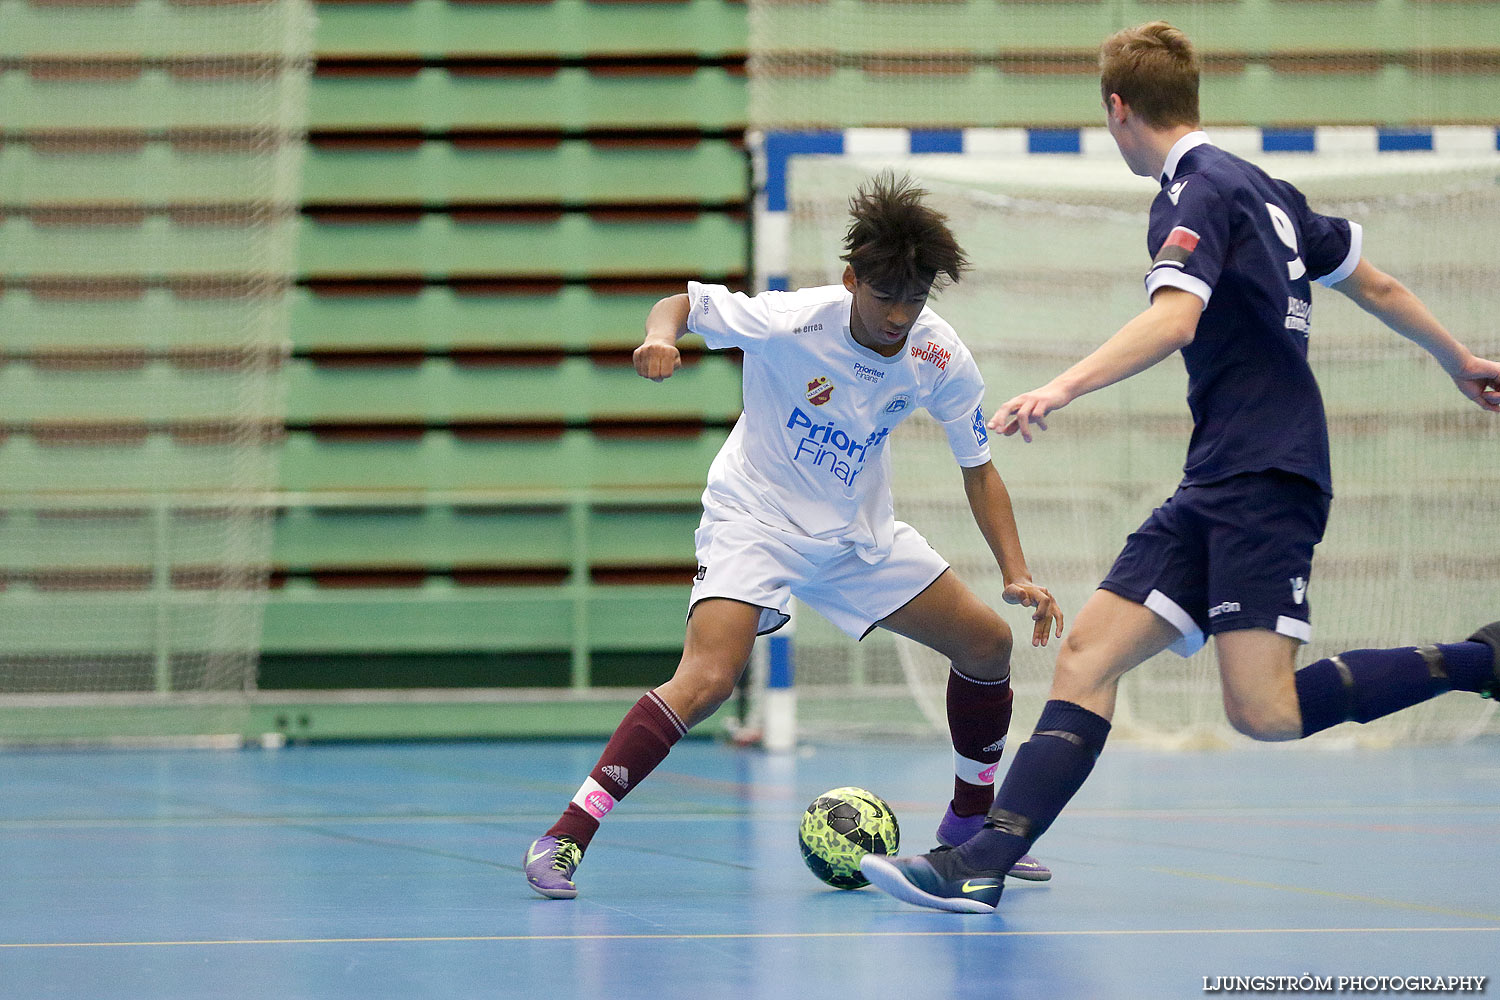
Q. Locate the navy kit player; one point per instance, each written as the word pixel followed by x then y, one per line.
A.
pixel 1230 553
pixel 799 503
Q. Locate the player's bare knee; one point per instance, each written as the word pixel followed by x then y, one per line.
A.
pixel 1082 671
pixel 1069 680
pixel 1073 659
pixel 985 656
pixel 700 687
pixel 1264 721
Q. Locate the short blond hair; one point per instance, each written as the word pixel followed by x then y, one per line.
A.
pixel 1154 70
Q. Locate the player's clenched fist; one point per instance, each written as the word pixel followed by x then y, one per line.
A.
pixel 656 360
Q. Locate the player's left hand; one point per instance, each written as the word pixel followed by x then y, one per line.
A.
pixel 1480 381
pixel 1028 410
pixel 1047 614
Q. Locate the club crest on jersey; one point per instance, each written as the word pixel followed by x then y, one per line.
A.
pixel 898 403
pixel 1178 249
pixel 819 390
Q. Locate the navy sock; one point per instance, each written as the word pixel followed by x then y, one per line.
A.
pixel 1366 684
pixel 1047 772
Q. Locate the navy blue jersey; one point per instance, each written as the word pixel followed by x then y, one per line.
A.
pixel 1249 247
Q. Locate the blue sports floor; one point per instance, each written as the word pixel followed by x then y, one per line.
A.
pixel 375 871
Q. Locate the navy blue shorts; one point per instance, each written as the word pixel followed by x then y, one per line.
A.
pixel 1230 555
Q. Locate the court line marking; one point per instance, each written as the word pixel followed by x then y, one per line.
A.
pixel 748 936
pixel 1347 897
pixel 709 813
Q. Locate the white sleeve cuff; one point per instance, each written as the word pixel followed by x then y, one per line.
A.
pixel 1356 244
pixel 695 297
pixel 1163 276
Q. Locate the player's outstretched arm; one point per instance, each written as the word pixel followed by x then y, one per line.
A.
pixel 658 357
pixel 990 502
pixel 1385 298
pixel 1167 325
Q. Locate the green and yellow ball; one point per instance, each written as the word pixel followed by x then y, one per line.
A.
pixel 842 826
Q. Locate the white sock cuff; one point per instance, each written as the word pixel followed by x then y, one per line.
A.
pixel 666 710
pixel 975 772
pixel 593 799
pixel 976 680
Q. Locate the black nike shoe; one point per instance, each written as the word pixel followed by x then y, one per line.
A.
pixel 938 880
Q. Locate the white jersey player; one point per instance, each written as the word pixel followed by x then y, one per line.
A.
pixel 798 503
pixel 808 462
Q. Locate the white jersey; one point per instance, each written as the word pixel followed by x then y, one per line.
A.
pixel 809 452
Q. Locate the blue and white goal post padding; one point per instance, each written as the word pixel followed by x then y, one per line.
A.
pixel 773 665
pixel 773 152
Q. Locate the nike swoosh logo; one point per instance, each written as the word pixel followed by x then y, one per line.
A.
pixel 533 857
pixel 975 885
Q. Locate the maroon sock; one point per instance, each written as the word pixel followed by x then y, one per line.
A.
pixel 978 719
pixel 641 741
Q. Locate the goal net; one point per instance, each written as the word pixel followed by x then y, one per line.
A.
pixel 148 168
pixel 1058 248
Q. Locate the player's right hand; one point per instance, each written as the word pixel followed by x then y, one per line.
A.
pixel 1480 381
pixel 656 360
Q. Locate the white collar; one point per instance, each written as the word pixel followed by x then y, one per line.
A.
pixel 1179 150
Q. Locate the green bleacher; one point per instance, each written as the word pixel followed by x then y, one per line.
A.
pixel 411 94
pixel 1034 62
pixel 577 317
pixel 688 168
pixel 495 195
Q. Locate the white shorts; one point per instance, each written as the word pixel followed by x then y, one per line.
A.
pixel 756 564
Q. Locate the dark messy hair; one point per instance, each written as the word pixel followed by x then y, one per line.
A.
pixel 1154 70
pixel 895 241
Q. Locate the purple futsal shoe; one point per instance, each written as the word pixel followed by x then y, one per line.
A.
pixel 954 830
pixel 550 862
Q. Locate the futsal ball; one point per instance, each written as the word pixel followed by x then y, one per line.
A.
pixel 842 826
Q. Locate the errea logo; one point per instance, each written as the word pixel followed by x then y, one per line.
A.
pixel 1227 608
